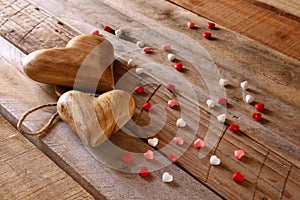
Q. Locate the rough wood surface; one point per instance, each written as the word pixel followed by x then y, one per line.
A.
pixel 256 185
pixel 66 149
pixel 252 19
pixel 285 7
pixel 26 173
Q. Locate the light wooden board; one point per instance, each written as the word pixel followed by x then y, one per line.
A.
pixel 66 149
pixel 286 6
pixel 253 20
pixel 26 173
pixel 153 21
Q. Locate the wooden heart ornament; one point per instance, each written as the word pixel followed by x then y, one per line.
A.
pixel 84 64
pixel 95 119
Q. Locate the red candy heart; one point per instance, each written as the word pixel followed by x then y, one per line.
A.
pixel 190 25
pixel 170 87
pixel 222 101
pixel 139 90
pixel 95 32
pixel 234 127
pixel 127 158
pixel 107 28
pixel 211 25
pixel 178 66
pixel 147 49
pixel 238 177
pixel 144 172
pixel 147 106
pixel 260 107
pixel 172 158
pixel 256 116
pixel 207 35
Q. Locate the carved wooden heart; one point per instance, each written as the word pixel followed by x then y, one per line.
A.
pixel 94 119
pixel 85 64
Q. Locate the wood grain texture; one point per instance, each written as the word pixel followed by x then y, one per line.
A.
pixel 233 55
pixel 26 173
pixel 67 150
pixel 256 22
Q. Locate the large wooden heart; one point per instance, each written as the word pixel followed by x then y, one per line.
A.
pixel 95 119
pixel 84 64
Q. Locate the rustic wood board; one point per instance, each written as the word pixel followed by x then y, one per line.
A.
pixel 253 176
pixel 26 173
pixel 285 7
pixel 252 19
pixel 68 152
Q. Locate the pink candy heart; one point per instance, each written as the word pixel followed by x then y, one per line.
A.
pixel 199 143
pixel 238 154
pixel 127 158
pixel 178 140
pixel 149 155
pixel 172 103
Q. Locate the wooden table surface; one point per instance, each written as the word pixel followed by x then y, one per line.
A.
pixel 255 40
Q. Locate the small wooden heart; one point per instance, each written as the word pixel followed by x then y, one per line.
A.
pixel 95 119
pixel 84 64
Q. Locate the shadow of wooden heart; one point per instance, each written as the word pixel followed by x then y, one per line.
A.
pixel 86 63
pixel 95 119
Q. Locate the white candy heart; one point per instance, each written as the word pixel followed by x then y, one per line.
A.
pixel 249 98
pixel 180 123
pixel 210 103
pixel 221 118
pixel 214 160
pixel 167 178
pixel 171 57
pixel 139 70
pixel 153 142
pixel 244 85
pixel 223 82
pixel 118 32
pixel 130 63
pixel 140 44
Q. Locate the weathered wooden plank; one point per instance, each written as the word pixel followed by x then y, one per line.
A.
pixel 68 152
pixel 285 6
pixel 292 185
pixel 26 173
pixel 252 20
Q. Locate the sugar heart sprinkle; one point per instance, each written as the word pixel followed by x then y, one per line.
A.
pixel 178 66
pixel 178 140
pixel 239 154
pixel 171 57
pixel 211 25
pixel 139 70
pixel 221 118
pixel 127 158
pixel 167 178
pixel 149 155
pixel 234 127
pixel 244 85
pixel 238 177
pixel 130 63
pixel 199 143
pixel 257 116
pixel 140 44
pixel 222 101
pixel 153 142
pixel 172 158
pixel 214 160
pixel 139 90
pixel 118 32
pixel 190 25
pixel 249 98
pixel 210 103
pixel 144 172
pixel 95 32
pixel 207 35
pixel 109 29
pixel 260 107
pixel 147 50
pixel 171 87
pixel 172 103
pixel 147 106
pixel 223 82
pixel 166 47
pixel 180 123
